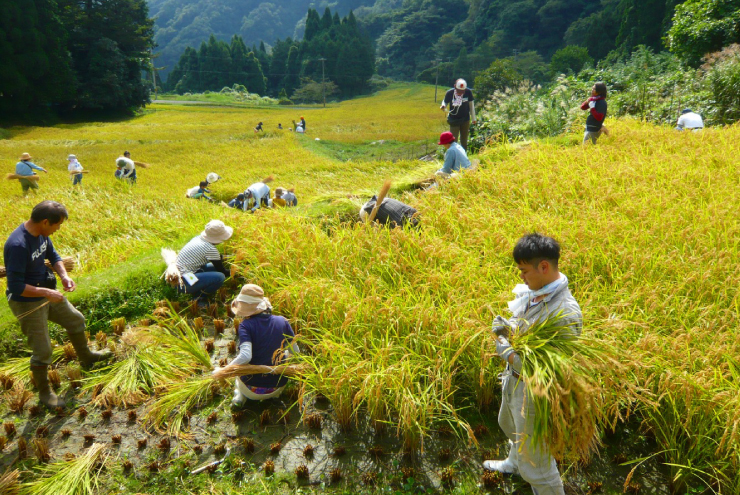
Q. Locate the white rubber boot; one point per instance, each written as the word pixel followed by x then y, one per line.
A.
pixel 508 466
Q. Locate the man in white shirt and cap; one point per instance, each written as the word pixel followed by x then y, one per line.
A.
pixel 258 194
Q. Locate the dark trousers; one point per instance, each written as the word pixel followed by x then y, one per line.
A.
pixel 461 130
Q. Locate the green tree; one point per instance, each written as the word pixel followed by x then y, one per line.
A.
pixel 313 25
pixel 190 80
pixel 278 65
pixel 703 26
pixel 569 59
pixel 292 71
pixel 462 65
pixel 239 64
pixel 500 75
pixel 313 92
pixel 255 81
pixel 35 68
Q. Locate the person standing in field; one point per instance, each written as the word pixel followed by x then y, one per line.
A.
pixel 75 170
pixel 597 107
pixel 200 264
pixel 462 111
pixel 25 167
pixel 456 158
pixel 264 339
pixel 303 124
pixel 33 296
pixel 544 294
pixel 689 121
pixel 256 195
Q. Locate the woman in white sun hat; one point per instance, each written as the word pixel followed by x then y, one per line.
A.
pixel 262 336
pixel 462 111
pixel 201 265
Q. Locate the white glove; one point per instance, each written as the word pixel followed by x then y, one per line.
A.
pixel 503 348
pixel 591 104
pixel 216 370
pixel 502 326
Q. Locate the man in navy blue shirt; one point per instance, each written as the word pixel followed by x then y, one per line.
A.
pixel 34 298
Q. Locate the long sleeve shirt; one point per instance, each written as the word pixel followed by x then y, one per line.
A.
pixel 24 260
pixel 26 168
pixel 259 190
pixel 455 159
pixel 597 107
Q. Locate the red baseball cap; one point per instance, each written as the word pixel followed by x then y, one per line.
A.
pixel 446 138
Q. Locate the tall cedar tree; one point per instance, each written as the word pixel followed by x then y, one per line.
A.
pixel 35 68
pixel 110 43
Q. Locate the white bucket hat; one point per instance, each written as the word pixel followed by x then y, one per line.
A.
pixel 212 177
pixel 216 232
pixel 71 157
pixel 250 301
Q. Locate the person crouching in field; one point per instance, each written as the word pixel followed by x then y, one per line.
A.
pixel 596 105
pixel 202 191
pixel 25 168
pixel 33 296
pixel 391 212
pixel 75 170
pixel 264 339
pixel 201 265
pixel 544 294
pixel 290 197
pixel 456 158
pixel 278 200
pixel 126 168
pixel 237 202
pixel 690 121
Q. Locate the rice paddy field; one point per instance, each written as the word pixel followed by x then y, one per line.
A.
pixel 397 390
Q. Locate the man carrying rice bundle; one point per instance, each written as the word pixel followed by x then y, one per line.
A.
pixel 544 295
pixel 25 168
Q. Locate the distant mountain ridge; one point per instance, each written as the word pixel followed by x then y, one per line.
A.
pixel 183 23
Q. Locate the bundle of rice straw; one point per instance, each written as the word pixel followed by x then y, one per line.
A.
pixel 16 176
pixel 69 265
pixel 75 172
pixel 142 164
pixel 171 274
pixel 236 370
pixel 575 384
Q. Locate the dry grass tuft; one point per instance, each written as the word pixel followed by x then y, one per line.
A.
pixel 219 449
pixel 6 381
pixel 376 451
pixel 212 418
pixel 248 444
pixel 339 450
pixel 335 475
pixel 3 443
pixel 268 467
pixel 313 421
pixel 444 454
pixel 141 443
pixel 301 472
pixel 41 446
pixel 116 439
pixel 69 352
pixel 118 325
pixel 231 347
pixel 266 417
pixel 218 326
pixel 492 479
pixel 208 344
pixel 164 444
pixel 10 483
pixel 82 412
pixel 132 416
pixel 213 310
pixel 34 410
pixel 199 324
pixel 88 438
pixel 42 431
pixel 447 476
pixel 127 465
pixel 369 479
pixel 22 448
pixel 407 472
pixel 9 428
pixel 18 397
pixel 275 448
pixel 198 449
pixel 308 451
pixel 153 467
pixel 66 433
pixel 193 308
pixel 107 414
pixel 101 339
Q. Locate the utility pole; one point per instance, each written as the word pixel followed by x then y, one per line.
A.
pixel 436 80
pixel 154 71
pixel 323 87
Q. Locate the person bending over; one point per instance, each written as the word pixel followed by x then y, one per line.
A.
pixel 391 212
pixel 544 294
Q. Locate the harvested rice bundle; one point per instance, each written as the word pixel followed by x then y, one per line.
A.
pixel 570 381
pixel 69 265
pixel 171 274
pixel 76 476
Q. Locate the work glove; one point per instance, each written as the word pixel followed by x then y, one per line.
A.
pixel 502 326
pixel 216 370
pixel 591 104
pixel 504 349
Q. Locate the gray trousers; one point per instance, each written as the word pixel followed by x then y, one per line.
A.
pixel 461 130
pixel 36 328
pixel 534 462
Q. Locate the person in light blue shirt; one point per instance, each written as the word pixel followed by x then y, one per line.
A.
pixel 26 167
pixel 456 158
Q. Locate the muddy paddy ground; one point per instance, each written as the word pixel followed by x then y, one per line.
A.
pixel 293 444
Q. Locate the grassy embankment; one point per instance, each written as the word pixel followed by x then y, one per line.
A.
pixel 396 320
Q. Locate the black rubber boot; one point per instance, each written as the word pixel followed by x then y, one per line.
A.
pixel 46 395
pixel 84 354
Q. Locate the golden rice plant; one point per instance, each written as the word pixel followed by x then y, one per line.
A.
pixel 10 482
pixel 79 476
pixel 18 396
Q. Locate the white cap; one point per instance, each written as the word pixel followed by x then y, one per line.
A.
pixel 461 84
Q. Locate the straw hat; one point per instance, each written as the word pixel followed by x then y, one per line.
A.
pixel 250 301
pixel 216 232
pixel 25 156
